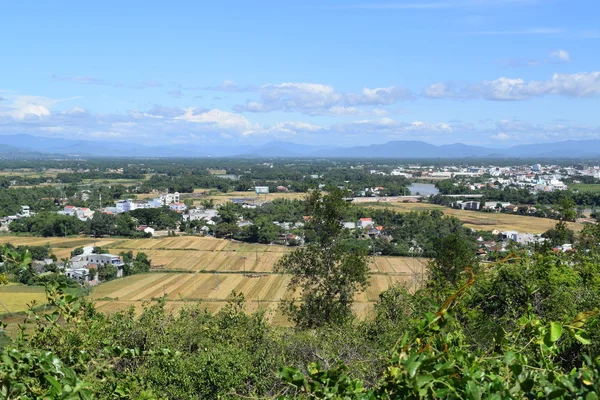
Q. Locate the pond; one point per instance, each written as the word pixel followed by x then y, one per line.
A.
pixel 424 189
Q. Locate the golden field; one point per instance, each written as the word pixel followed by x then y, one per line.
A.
pixel 206 270
pixel 17 298
pixel 481 220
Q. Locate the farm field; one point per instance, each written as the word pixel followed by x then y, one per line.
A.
pixel 582 187
pixel 206 270
pixel 15 297
pixel 480 220
pixel 226 197
pixel 211 290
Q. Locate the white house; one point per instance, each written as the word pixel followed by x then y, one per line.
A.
pixel 364 223
pixel 510 235
pixel 178 206
pixel 467 205
pixel 168 198
pixel 145 229
pixel 25 212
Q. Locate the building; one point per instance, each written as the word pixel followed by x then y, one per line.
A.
pixel 145 229
pixel 25 212
pixel 364 223
pixel 466 205
pixel 196 214
pixel 493 205
pixel 179 207
pixel 168 198
pixel 510 235
pixel 82 213
pixel 91 260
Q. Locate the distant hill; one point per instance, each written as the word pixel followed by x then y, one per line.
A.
pixel 15 146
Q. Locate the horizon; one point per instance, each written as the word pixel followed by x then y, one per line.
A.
pixel 495 73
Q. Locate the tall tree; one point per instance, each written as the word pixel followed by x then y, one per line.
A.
pixel 326 271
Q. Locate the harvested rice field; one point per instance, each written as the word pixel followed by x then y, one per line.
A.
pixel 204 270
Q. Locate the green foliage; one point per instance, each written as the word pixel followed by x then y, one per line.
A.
pixel 76 251
pixel 48 224
pixel 328 274
pixel 39 374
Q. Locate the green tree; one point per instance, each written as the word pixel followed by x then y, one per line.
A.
pixel 76 251
pixel 328 274
pixel 454 253
pixel 263 231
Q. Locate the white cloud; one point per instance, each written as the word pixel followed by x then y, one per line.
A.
pixel 320 99
pixel 437 91
pixel 501 136
pixel 23 107
pixel 218 119
pixel 560 55
pixel 581 85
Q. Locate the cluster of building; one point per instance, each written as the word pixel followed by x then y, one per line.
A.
pixel 172 200
pixel 25 212
pixel 82 213
pixel 78 268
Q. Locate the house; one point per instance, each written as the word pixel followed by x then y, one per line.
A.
pixel 25 212
pixel 295 239
pixel 196 214
pixel 493 205
pixel 168 198
pixel 466 205
pixel 510 235
pixel 83 261
pixel 145 229
pixel 179 207
pixel 78 274
pixel 349 225
pixel 364 223
pixel 282 189
pixel 84 214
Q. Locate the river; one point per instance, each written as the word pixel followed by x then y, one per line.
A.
pixel 424 189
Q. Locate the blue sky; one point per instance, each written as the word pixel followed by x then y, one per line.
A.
pixel 487 72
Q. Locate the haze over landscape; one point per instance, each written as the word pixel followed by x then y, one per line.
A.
pixel 301 79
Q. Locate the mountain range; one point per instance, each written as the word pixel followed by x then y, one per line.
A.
pixel 19 146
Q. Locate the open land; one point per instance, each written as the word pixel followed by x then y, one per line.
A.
pixel 206 270
pixel 481 220
pixel 582 187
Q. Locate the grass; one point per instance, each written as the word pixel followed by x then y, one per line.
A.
pixel 15 298
pixel 226 197
pixel 481 220
pixel 582 187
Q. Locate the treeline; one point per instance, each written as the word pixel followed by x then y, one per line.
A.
pixel 38 198
pixel 78 177
pixel 404 234
pixel 52 224
pixel 515 195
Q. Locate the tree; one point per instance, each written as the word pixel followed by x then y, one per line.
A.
pixel 99 250
pixel 328 274
pixel 454 253
pixel 208 203
pixel 106 272
pixel 561 233
pixel 76 251
pixel 263 231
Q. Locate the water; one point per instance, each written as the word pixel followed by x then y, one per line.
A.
pixel 424 189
